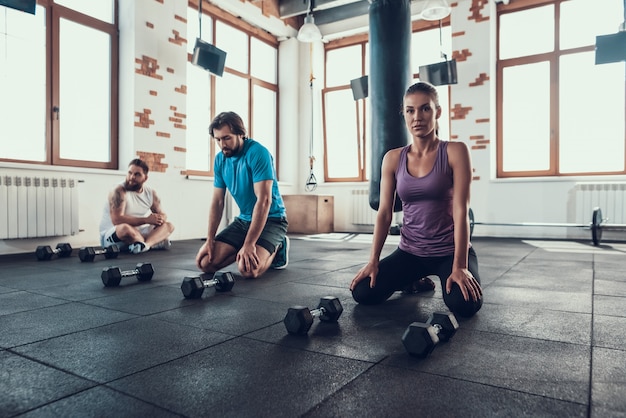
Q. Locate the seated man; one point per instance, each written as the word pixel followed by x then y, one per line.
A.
pixel 133 219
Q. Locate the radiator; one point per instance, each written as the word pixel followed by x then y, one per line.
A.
pixel 362 213
pixel 609 197
pixel 37 207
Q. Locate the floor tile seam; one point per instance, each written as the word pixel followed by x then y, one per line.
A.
pixel 163 363
pixel 69 395
pixel 64 302
pixel 536 308
pixel 321 270
pixel 506 271
pixel 525 337
pixel 508 389
pixel 334 286
pixel 154 316
pixel 610 316
pixel 591 334
pixel 248 336
pixel 55 367
pixel 75 332
pixel 610 296
pixel 545 290
pixel 328 398
pixel 258 299
pixel 142 400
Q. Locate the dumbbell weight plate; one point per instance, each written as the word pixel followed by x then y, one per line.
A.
pixel 596 226
pixel 420 339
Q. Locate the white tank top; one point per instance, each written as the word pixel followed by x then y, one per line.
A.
pixel 137 204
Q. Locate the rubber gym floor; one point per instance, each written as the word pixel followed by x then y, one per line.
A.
pixel 548 342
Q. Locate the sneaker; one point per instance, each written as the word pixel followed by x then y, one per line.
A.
pixel 418 286
pixel 281 260
pixel 138 247
pixel 163 245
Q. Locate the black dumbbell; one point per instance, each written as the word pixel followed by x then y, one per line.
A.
pixel 111 276
pixel 299 318
pixel 193 287
pixel 45 252
pixel 90 253
pixel 420 338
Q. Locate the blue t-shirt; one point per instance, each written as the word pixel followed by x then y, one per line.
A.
pixel 238 174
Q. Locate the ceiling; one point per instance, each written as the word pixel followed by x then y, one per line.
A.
pixel 283 18
pixel 324 11
pixel 337 18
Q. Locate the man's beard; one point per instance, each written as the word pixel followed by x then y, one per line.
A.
pixel 132 187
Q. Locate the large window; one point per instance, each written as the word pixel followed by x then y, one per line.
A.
pixel 248 86
pixel 559 113
pixel 346 121
pixel 58 88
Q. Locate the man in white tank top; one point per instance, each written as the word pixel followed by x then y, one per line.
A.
pixel 132 216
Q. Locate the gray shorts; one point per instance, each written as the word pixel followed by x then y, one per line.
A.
pixel 272 235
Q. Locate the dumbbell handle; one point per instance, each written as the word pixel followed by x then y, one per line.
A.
pixel 318 312
pixel 437 327
pixel 128 273
pixel 209 282
pixel 100 251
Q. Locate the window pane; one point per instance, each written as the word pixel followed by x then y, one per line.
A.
pixel 589 143
pixel 526 117
pixel 582 20
pixel 343 65
pixel 342 139
pixel 516 38
pixel 100 9
pixel 235 43
pixel 263 61
pixel 198 119
pixel 426 47
pixel 231 95
pixel 264 123
pixel 23 80
pixel 85 88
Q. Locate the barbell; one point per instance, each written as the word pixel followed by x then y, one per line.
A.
pixel 597 225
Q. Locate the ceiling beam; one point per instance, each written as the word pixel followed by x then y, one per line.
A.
pixel 290 8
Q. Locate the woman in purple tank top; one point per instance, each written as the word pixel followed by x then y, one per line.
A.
pixel 432 179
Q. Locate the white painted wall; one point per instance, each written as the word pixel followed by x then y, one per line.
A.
pixel 187 200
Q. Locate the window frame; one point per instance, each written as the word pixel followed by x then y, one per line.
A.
pixel 362 118
pixel 213 12
pixel 553 59
pixel 52 140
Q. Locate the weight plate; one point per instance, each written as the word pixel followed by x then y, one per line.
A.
pixel 596 226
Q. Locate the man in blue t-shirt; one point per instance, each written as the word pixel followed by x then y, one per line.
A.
pixel 257 238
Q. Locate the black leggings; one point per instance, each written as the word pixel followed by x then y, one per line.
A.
pixel 400 269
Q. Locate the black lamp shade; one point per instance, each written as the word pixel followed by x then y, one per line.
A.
pixel 27 6
pixel 359 87
pixel 440 73
pixel 611 48
pixel 209 57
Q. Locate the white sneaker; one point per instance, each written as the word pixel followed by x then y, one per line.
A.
pixel 138 247
pixel 163 245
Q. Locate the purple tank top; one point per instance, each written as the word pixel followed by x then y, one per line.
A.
pixel 428 227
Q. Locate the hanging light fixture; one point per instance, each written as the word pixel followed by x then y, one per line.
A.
pixel 435 10
pixel 309 32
